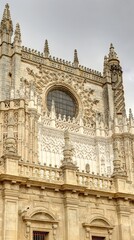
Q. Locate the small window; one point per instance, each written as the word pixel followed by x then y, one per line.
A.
pixel 39 235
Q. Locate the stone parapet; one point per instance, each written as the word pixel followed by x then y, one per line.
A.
pixel 59 64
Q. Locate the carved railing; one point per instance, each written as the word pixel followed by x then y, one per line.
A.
pixel 73 125
pixel 45 173
pixel 95 182
pixel 55 175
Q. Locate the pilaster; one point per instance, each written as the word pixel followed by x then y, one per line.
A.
pixel 123 212
pixel 10 211
pixel 71 216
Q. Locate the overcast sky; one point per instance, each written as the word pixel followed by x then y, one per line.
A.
pixel 87 25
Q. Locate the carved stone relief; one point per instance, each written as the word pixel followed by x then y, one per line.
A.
pixel 45 79
pixel 52 145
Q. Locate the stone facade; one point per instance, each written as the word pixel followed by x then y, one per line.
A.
pixel 64 177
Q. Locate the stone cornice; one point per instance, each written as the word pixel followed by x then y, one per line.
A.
pixel 28 183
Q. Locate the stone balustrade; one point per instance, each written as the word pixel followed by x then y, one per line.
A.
pixel 95 182
pixel 55 175
pixel 45 173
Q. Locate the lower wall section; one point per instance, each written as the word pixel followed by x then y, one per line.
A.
pixel 62 215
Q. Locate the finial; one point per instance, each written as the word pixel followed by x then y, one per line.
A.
pixel 105 59
pixel 105 64
pixel 17 34
pixel 53 114
pixel 76 61
pixel 6 23
pixel 130 114
pixel 68 151
pixel 46 49
pixel 53 106
pixel 6 13
pixel 112 54
pixel 53 111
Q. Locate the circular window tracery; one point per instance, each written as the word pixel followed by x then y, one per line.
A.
pixel 64 102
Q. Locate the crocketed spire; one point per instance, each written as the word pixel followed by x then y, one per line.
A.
pixel 112 54
pixel 6 23
pixel 6 14
pixel 17 34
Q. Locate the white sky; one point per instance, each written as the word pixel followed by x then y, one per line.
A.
pixel 87 25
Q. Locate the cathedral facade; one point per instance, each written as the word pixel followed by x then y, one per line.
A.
pixel 66 146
